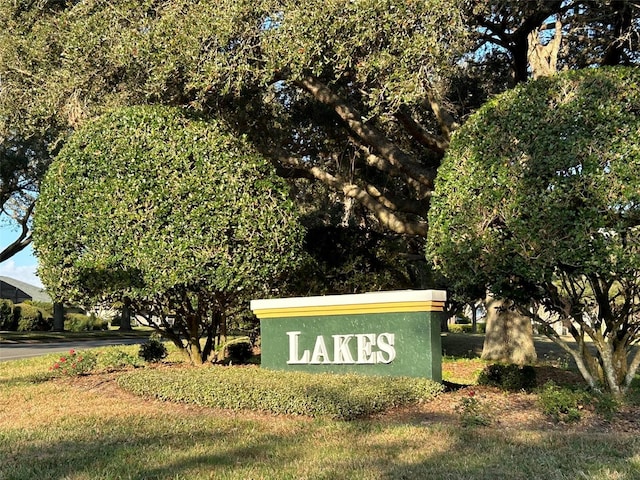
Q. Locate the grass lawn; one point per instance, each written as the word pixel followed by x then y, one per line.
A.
pixel 88 428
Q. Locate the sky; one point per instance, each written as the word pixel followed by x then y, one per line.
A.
pixel 21 266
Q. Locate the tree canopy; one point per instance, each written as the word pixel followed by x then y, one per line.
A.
pixel 169 212
pixel 539 198
pixel 317 88
pixel 359 96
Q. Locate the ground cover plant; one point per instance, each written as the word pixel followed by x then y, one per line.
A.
pixel 343 397
pixel 86 427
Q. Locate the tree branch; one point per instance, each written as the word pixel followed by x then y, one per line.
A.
pixel 433 142
pixel 23 240
pixel 368 134
pixel 380 206
pixel 445 119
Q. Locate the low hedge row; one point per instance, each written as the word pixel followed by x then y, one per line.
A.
pixel 466 328
pixel 79 322
pixel 343 397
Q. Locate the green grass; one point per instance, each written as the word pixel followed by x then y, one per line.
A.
pixel 76 429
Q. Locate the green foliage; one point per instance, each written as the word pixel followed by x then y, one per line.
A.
pixel 344 397
pixel 147 199
pixel 179 52
pixel 244 61
pixel 79 322
pixel 566 404
pixel 45 307
pixel 538 178
pixel 153 350
pixel 31 318
pixel 561 403
pixel 114 358
pixel 472 412
pixel 74 363
pixel 466 328
pixel 510 377
pixel 168 210
pixel 239 352
pixel 355 260
pixel 605 404
pixel 7 319
pixel 538 198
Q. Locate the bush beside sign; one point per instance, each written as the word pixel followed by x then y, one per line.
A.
pixel 382 333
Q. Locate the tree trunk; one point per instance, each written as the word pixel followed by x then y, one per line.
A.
pixel 58 317
pixel 509 335
pixel 125 318
pixel 474 318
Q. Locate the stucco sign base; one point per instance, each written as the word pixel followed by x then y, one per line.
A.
pixel 382 333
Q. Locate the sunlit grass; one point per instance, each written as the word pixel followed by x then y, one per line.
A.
pixel 78 429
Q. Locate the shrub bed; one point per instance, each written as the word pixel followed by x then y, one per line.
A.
pixel 509 377
pixel 31 318
pixel 79 322
pixel 466 328
pixel 343 397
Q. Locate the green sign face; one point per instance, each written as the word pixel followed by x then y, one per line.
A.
pixel 352 338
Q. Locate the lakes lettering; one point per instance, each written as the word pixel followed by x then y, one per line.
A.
pixel 369 349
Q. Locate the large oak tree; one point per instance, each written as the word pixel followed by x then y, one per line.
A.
pixel 361 96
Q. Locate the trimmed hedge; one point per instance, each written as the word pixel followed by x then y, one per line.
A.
pixel 31 318
pixel 342 397
pixel 509 377
pixel 79 322
pixel 7 318
pixel 466 328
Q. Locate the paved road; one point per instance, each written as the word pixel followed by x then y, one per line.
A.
pixel 15 351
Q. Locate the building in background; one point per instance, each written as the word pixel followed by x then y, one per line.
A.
pixel 18 292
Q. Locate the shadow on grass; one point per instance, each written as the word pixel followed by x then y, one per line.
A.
pixel 209 447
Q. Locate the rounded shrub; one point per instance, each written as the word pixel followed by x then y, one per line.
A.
pixel 79 322
pixel 510 377
pixel 31 319
pixel 7 320
pixel 153 350
pixel 239 352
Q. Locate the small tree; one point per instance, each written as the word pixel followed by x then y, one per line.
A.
pixel 166 212
pixel 539 200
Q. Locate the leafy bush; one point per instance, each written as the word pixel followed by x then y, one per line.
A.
pixel 508 377
pixel 79 322
pixel 116 359
pixel 562 404
pixel 45 307
pixel 31 319
pixel 239 351
pixel 344 397
pixel 74 363
pixel 466 328
pixel 605 404
pixel 153 350
pixel 472 412
pixel 7 320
